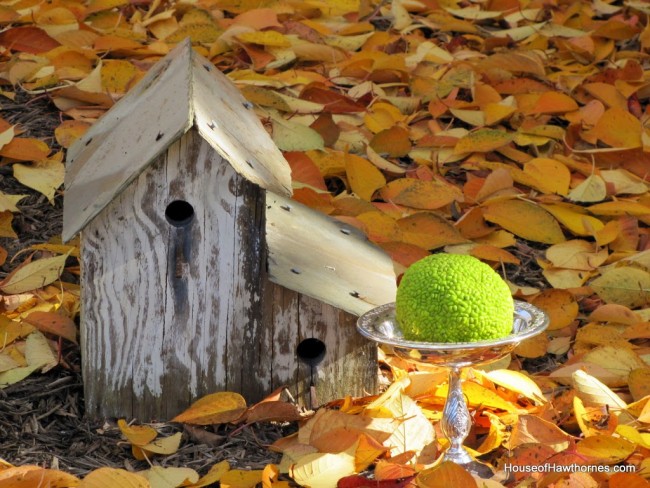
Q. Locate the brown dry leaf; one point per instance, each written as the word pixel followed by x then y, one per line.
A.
pixel 273 411
pixel 216 408
pixel 393 142
pixel 524 219
pixel 560 306
pixel 6 218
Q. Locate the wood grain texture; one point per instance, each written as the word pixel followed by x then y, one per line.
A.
pixel 169 313
pixel 182 90
pixel 172 313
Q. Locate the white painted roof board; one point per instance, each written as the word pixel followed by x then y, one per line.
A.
pixel 182 90
pixel 324 258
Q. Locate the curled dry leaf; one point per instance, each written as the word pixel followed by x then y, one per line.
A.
pixel 216 408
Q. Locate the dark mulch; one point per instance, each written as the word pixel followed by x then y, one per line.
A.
pixel 42 423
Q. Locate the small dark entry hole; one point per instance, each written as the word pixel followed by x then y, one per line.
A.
pixel 311 351
pixel 179 213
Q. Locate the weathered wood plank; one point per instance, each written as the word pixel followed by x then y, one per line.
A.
pixel 326 259
pixel 170 311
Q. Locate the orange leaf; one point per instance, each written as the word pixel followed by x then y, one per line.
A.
pixel 217 408
pixel 493 253
pixel 639 383
pixel 54 323
pixel 612 312
pixel 6 230
pixel 32 476
pixel 394 142
pixel 404 253
pixel 25 149
pixel 553 102
pixel 69 131
pixel 524 219
pixel 560 306
pixel 534 347
pixel 27 39
pixel 446 475
pixel 304 170
pixel 552 175
pixel 425 195
pixel 429 231
pixel 627 480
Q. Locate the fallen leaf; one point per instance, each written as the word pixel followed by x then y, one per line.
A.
pixel 482 140
pixel 138 435
pixel 625 286
pixel 560 306
pixel 112 477
pixel 216 408
pixel 605 449
pixel 44 176
pixel 420 194
pixel 446 475
pixel 54 323
pixel 322 470
pixel 639 382
pixel 524 219
pixel 364 178
pixel 170 477
pixel 34 274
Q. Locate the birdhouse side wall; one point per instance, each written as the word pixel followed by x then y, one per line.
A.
pixel 171 308
pixel 349 365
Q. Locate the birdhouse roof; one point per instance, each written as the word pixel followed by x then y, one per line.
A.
pixel 181 91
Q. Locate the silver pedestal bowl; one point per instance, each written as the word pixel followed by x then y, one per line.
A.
pixel 380 325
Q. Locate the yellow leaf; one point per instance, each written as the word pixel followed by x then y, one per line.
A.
pixel 112 478
pixel 592 189
pixel 576 254
pixel 293 136
pixel 33 275
pixel 518 382
pixel 624 182
pixel 364 178
pixel 8 203
pixel 198 33
pixel 619 207
pixel 239 478
pixel 216 408
pixel 171 477
pixel 574 218
pixel 617 128
pixel 118 75
pixel 534 347
pixel 605 448
pixel 626 285
pixel 214 474
pixel 165 445
pixel 482 140
pixel 6 136
pixel 617 360
pixel 265 38
pixel 322 470
pixel 524 219
pixel 594 393
pixel 554 102
pixel 44 176
pixel 552 175
pixel 69 131
pixel 382 116
pixel 138 435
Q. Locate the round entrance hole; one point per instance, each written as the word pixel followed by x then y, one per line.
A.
pixel 179 213
pixel 311 351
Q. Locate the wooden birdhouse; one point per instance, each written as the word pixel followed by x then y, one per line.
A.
pixel 199 273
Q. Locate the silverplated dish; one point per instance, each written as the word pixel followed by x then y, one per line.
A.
pixel 380 325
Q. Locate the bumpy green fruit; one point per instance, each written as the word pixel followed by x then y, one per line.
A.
pixel 453 298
